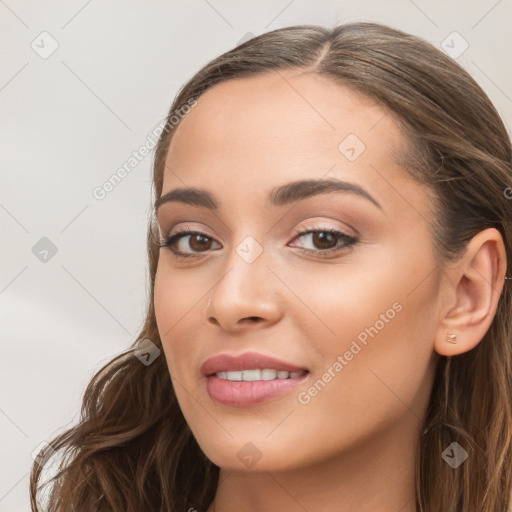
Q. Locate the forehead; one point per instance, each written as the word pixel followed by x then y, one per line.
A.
pixel 251 134
pixel 283 109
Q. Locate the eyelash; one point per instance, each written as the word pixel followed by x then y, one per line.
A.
pixel 349 241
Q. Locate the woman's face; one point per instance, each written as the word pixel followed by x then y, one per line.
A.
pixel 357 308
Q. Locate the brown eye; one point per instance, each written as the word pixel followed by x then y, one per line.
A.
pixel 199 242
pixel 324 239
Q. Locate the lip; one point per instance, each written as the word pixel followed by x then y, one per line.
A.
pixel 244 394
pixel 246 361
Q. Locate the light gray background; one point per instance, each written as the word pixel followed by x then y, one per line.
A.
pixel 71 120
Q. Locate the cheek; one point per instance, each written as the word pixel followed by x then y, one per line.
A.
pixel 177 295
pixel 339 305
pixel 375 334
pixel 173 317
pixel 176 302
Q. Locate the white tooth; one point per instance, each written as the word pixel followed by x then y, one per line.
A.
pixel 257 374
pixel 268 374
pixel 250 375
pixel 234 375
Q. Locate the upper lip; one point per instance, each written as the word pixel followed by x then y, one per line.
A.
pixel 246 361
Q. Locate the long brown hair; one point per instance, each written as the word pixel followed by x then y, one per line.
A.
pixel 132 450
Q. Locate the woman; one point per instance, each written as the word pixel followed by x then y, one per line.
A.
pixel 329 320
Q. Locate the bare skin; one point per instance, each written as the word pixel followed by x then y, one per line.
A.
pixel 351 445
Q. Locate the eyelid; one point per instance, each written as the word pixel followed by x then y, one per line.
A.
pixel 186 229
pixel 311 226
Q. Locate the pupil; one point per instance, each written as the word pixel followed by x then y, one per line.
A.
pixel 323 235
pixel 202 243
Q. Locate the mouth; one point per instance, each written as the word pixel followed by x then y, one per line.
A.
pixel 250 378
pixel 258 374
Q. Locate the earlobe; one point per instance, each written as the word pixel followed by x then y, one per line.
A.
pixel 477 281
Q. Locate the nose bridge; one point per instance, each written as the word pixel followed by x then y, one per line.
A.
pixel 247 288
pixel 246 268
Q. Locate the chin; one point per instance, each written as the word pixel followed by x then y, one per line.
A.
pixel 253 457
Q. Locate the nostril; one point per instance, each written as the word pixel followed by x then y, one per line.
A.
pixel 251 319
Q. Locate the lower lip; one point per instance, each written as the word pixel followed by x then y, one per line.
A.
pixel 243 393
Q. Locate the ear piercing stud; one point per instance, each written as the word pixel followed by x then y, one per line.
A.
pixel 451 338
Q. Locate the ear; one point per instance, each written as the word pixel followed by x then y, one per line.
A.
pixel 473 287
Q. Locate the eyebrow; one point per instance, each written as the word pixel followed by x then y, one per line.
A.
pixel 279 196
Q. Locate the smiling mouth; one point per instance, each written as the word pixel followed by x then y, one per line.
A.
pixel 258 375
pixel 245 388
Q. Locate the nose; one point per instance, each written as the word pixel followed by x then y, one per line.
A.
pixel 248 295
